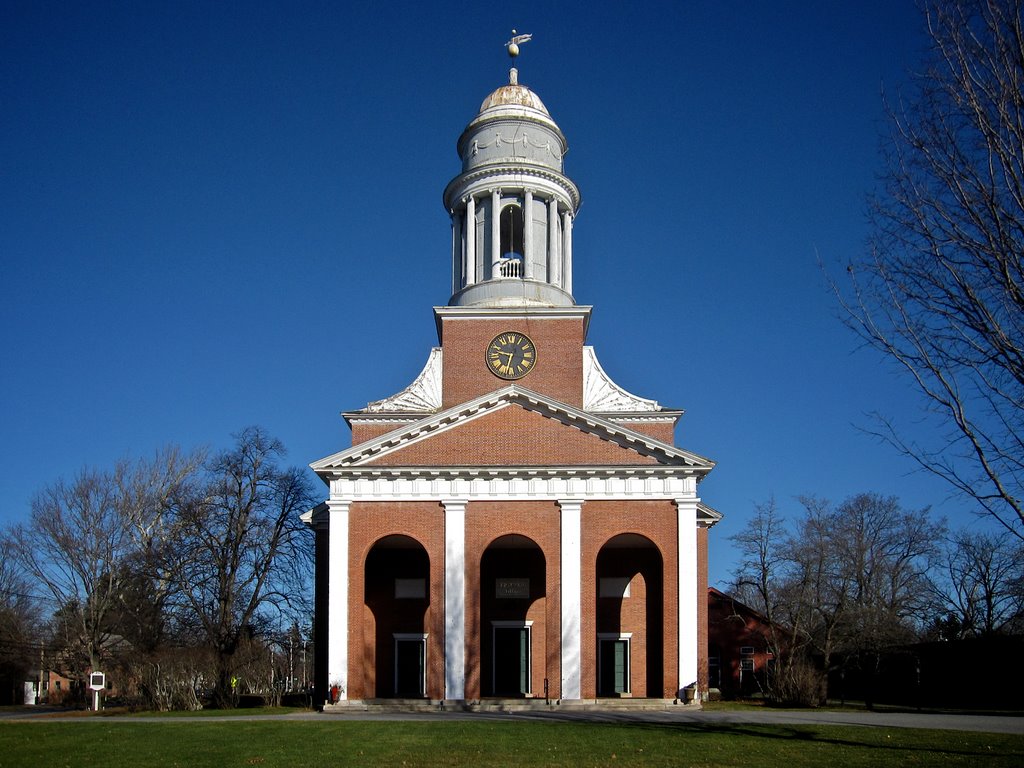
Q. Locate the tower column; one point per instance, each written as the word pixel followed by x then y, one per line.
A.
pixel 470 227
pixel 571 597
pixel 495 233
pixel 567 252
pixel 686 513
pixel 337 596
pixel 455 600
pixel 554 252
pixel 458 253
pixel 528 234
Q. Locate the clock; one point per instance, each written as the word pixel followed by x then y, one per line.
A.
pixel 511 355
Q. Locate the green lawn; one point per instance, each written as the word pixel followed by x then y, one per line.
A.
pixel 215 743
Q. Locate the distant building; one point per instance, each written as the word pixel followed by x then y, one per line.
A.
pixel 738 651
pixel 512 524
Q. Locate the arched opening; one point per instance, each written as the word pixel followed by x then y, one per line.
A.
pixel 630 590
pixel 397 593
pixel 511 243
pixel 513 591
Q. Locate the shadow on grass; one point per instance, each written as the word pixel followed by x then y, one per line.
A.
pixel 894 741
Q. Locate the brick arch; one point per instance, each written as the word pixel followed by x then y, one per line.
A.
pixel 396 592
pixel 513 609
pixel 630 581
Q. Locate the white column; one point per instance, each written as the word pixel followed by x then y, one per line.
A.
pixel 337 596
pixel 455 600
pixel 470 241
pixel 495 232
pixel 458 253
pixel 567 252
pixel 572 638
pixel 528 234
pixel 554 252
pixel 687 548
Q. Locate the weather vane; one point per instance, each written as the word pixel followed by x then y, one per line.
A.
pixel 512 46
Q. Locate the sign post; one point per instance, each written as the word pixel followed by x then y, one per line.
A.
pixel 97 682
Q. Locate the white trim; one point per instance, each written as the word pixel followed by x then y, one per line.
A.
pixel 337 596
pixel 500 484
pixel 455 600
pixel 571 598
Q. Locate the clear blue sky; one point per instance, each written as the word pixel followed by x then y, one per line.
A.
pixel 221 214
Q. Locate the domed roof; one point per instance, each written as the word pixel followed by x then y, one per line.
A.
pixel 514 95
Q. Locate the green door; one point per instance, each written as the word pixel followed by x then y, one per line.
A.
pixel 614 671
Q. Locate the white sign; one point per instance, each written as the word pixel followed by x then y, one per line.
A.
pixel 97 681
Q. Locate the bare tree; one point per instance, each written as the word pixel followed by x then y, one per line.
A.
pixel 983 588
pixel 19 621
pixel 848 581
pixel 72 547
pixel 237 541
pixel 942 292
pixel 84 540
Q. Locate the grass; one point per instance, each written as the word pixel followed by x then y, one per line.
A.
pixel 87 742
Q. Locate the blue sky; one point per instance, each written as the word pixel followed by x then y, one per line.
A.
pixel 221 214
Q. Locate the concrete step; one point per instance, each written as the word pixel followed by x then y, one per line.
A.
pixel 504 705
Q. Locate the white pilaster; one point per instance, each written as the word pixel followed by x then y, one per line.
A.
pixel 528 234
pixel 572 639
pixel 686 512
pixel 495 233
pixel 554 252
pixel 455 600
pixel 470 241
pixel 567 252
pixel 337 596
pixel 458 253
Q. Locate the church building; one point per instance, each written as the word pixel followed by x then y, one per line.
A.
pixel 512 524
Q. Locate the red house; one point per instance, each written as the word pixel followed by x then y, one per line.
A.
pixel 738 649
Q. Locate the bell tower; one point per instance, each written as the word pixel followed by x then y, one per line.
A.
pixel 512 206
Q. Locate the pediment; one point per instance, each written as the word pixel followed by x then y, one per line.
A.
pixel 512 427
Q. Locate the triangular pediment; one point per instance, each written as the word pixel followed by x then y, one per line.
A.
pixel 512 427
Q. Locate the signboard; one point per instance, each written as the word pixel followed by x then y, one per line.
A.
pixel 512 588
pixel 97 681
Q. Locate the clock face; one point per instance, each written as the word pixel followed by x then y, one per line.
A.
pixel 511 355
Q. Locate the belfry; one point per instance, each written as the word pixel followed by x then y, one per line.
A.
pixel 512 524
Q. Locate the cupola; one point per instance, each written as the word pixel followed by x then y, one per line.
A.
pixel 512 207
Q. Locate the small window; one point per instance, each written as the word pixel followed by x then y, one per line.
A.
pixel 747 650
pixel 747 665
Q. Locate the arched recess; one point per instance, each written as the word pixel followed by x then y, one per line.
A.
pixel 512 228
pixel 513 596
pixel 630 641
pixel 397 593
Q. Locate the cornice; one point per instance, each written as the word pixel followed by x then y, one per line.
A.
pixel 505 168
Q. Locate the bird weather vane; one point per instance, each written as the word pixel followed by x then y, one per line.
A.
pixel 512 46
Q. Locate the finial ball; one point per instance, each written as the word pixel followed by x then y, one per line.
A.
pixel 513 50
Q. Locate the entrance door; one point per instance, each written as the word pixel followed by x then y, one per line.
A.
pixel 614 670
pixel 511 661
pixel 410 668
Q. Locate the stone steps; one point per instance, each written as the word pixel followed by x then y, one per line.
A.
pixel 504 705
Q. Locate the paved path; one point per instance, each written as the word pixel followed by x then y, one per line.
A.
pixel 682 717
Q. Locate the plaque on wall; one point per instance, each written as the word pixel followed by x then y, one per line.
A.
pixel 511 588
